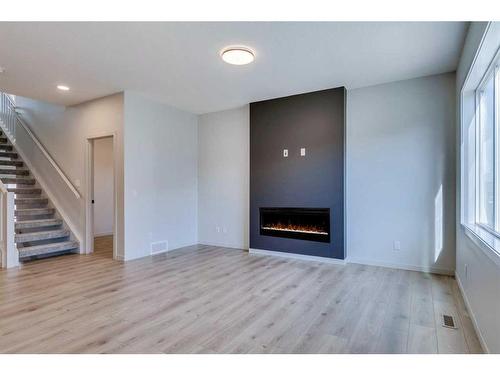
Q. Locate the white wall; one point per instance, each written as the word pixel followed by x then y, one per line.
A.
pixel 103 186
pixel 398 157
pixel 63 132
pixel 481 282
pixel 160 171
pixel 223 178
pixel 401 174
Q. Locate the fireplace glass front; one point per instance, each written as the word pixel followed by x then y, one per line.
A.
pixel 312 224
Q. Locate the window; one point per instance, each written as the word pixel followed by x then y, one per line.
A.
pixel 480 155
pixel 487 152
pixel 479 149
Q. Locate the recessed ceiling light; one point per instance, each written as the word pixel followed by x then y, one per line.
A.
pixel 63 88
pixel 237 55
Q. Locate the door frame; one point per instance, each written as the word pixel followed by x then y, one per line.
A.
pixel 89 187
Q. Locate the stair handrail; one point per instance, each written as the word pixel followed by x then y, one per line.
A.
pixel 11 107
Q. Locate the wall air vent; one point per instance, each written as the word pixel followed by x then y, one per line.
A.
pixel 159 247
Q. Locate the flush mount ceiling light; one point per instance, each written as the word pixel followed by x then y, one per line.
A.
pixel 62 88
pixel 237 55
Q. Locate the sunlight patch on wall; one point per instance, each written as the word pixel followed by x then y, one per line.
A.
pixel 438 223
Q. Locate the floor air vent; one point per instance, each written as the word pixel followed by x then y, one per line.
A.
pixel 448 322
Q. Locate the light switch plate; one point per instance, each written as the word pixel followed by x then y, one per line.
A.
pixel 302 152
pixel 285 153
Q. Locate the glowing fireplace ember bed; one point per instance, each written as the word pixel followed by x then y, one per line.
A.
pixel 310 224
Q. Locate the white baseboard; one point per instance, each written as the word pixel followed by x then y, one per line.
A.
pixel 226 245
pixel 178 247
pixel 472 316
pixel 296 256
pixel 408 267
pixel 182 246
pixel 103 234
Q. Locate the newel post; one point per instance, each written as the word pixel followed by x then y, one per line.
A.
pixel 10 257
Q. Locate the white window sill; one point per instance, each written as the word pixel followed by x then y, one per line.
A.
pixel 488 243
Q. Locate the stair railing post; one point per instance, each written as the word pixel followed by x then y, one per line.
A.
pixel 10 257
pixel 12 254
pixel 3 228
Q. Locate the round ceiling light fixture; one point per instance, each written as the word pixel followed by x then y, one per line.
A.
pixel 237 55
pixel 62 88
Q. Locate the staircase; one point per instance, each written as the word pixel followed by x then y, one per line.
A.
pixel 39 230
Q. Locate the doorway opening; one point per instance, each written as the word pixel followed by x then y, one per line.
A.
pixel 101 197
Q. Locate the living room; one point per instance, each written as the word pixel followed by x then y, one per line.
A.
pixel 254 187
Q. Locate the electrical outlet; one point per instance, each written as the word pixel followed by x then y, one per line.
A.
pixel 397 246
pixel 285 153
pixel 302 152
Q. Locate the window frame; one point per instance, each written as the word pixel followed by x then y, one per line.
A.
pixel 493 72
pixel 485 57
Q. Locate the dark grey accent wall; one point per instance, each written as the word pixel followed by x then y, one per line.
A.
pixel 315 121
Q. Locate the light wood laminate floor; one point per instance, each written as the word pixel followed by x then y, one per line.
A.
pixel 205 299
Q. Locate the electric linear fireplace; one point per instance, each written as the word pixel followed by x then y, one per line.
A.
pixel 312 224
pixel 297 165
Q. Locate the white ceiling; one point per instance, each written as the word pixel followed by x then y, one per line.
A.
pixel 179 63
